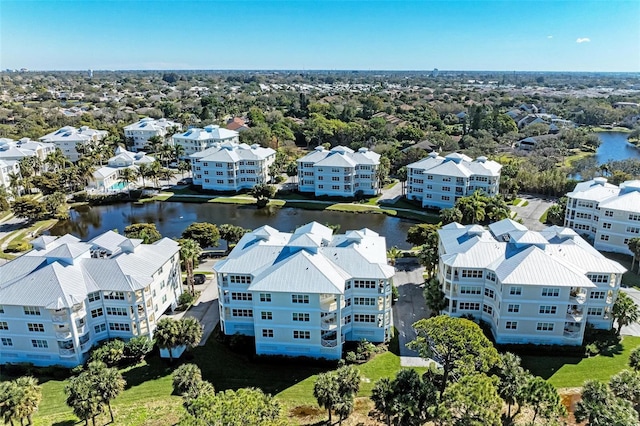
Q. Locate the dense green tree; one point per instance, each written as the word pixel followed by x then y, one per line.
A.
pixel 634 359
pixel 625 311
pixel 556 213
pixel 232 233
pixel 167 335
pixel 110 353
pixel 336 389
pixel 471 401
pixel 262 193
pixel 434 296
pixel 19 399
pixel 428 255
pixel 383 397
pixel 512 380
pixel 450 215
pixel 235 408
pixel 600 407
pixel 138 347
pixel 542 398
pixel 407 400
pixel 204 233
pixel 83 398
pixel 106 382
pixel 626 385
pixel 29 208
pixel 190 332
pixel 457 344
pixel 146 232
pixel 424 233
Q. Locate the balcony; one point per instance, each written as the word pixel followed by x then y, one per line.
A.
pixel 329 322
pixel 577 295
pixel 85 347
pixel 67 353
pixel 575 315
pixel 59 318
pixel 330 304
pixel 571 330
pixel 63 334
pixel 329 343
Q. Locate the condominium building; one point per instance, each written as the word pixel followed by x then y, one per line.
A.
pixel 11 150
pixel 604 213
pixel 64 296
pixel 529 287
pixel 140 132
pixel 107 178
pixel 197 140
pixel 231 167
pixel 437 182
pixel 7 169
pixel 69 139
pixel 339 172
pixel 305 293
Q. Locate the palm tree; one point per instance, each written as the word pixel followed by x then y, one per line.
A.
pixel 154 172
pixel 56 159
pixel 85 170
pixel 107 382
pixel 127 176
pixel 83 398
pixel 15 183
pixel 325 390
pixel 634 247
pixel 155 143
pixel 9 394
pixel 190 332
pixel 178 152
pixel 624 311
pixel 394 253
pixel 167 335
pixel 183 166
pixel 166 174
pixel 30 397
pixel 143 172
pixel 190 251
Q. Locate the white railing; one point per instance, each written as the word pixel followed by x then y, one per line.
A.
pixel 59 318
pixel 579 298
pixel 329 343
pixel 575 315
pixel 67 352
pixel 63 334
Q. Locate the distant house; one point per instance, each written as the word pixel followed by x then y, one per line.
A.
pixel 197 140
pixel 437 182
pixel 141 131
pixel 69 138
pixel 237 125
pixel 8 168
pixel 108 177
pixel 527 144
pixel 230 166
pixel 339 172
pixel 392 120
pixel 11 150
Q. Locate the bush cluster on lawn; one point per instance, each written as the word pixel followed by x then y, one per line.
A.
pixel 102 199
pixel 17 247
pixel 362 353
pixel 117 352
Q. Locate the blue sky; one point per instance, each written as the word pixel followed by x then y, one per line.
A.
pixel 540 35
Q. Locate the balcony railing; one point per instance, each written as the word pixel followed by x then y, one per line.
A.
pixel 63 335
pixel 85 347
pixel 329 343
pixel 575 315
pixel 67 352
pixel 59 318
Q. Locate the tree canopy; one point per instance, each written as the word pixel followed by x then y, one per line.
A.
pixel 205 233
pixel 147 232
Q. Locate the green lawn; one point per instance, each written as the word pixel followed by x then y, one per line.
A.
pixel 567 372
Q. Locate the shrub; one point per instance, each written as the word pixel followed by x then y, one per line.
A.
pixel 17 247
pixel 137 347
pixel 186 299
pixel 365 350
pixel 351 357
pixel 111 352
pixel 186 378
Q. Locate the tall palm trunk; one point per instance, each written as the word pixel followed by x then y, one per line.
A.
pixel 110 411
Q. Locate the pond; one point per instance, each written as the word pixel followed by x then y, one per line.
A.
pixel 615 146
pixel 171 218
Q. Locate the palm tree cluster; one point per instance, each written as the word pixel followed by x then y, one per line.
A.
pixel 171 334
pixel 335 390
pixel 19 399
pixel 476 208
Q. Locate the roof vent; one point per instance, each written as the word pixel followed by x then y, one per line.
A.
pixel 600 181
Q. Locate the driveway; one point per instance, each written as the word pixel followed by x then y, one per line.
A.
pixel 632 329
pixel 392 194
pixel 533 211
pixel 409 308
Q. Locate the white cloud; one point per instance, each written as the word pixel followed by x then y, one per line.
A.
pixel 583 40
pixel 549 36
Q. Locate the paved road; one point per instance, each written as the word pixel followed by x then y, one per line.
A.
pixel 391 195
pixel 531 213
pixel 632 329
pixel 409 308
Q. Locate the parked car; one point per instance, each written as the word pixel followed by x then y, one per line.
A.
pixel 186 181
pixel 199 278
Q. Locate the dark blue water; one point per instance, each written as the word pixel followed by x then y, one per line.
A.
pixel 172 218
pixel 615 146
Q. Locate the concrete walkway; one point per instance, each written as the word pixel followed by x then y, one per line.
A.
pixel 533 211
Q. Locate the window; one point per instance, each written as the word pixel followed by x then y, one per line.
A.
pixel 117 326
pixel 4 325
pixel 550 292
pixel 446 179
pixel 594 311
pixel 296 316
pixel 633 230
pixel 511 325
pixel 513 308
pixel 598 278
pixel 31 310
pixel 364 318
pixel 93 296
pixel 1 309
pixel 39 343
pixel 267 332
pixel 39 328
pixel 114 295
pixel 515 291
pixel 446 189
pixel 469 306
pixel 445 198
pixel 465 289
pixel 608 213
pixel 491 276
pixel 6 341
pixel 241 296
pixel 598 294
pixel 547 309
pixel 266 315
pixel 100 328
pixel 489 293
pixel 122 312
pixel 635 217
pixel 544 326
pixel 265 297
pixel 299 298
pixel 164 298
pixel 364 284
pixel 364 301
pixel 471 273
pixel 240 279
pixel 301 334
pixel 604 237
pixel 246 313
pixel 488 309
pixel 606 225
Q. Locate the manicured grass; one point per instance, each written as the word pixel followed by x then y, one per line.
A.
pixel 565 372
pixel 233 200
pixel 391 185
pixel 543 218
pixel 610 129
pixel 355 208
